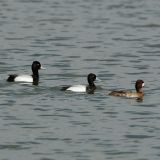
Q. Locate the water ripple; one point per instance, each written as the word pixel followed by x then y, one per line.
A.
pixel 116 40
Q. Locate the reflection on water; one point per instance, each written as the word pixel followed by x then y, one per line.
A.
pixel 116 40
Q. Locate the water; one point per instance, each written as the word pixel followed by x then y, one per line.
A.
pixel 116 40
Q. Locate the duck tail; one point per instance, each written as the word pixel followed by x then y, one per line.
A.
pixel 11 77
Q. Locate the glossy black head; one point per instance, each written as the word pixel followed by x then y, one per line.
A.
pixel 91 78
pixel 35 67
pixel 139 85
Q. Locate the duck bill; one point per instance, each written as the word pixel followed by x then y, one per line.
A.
pixel 42 67
pixel 98 80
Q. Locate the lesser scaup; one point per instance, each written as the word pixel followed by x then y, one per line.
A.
pixel 138 94
pixel 83 88
pixel 34 78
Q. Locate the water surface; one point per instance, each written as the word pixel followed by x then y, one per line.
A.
pixel 116 40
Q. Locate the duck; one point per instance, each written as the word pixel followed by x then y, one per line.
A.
pixel 34 78
pixel 123 93
pixel 90 88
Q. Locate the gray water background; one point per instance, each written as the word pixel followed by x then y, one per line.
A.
pixel 118 40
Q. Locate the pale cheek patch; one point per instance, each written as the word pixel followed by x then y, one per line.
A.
pixel 142 84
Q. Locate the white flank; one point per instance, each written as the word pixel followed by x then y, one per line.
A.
pixel 77 88
pixel 24 78
pixel 132 96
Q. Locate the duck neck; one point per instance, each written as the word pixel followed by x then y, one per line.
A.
pixel 91 88
pixel 35 77
pixel 35 73
pixel 91 84
pixel 139 90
